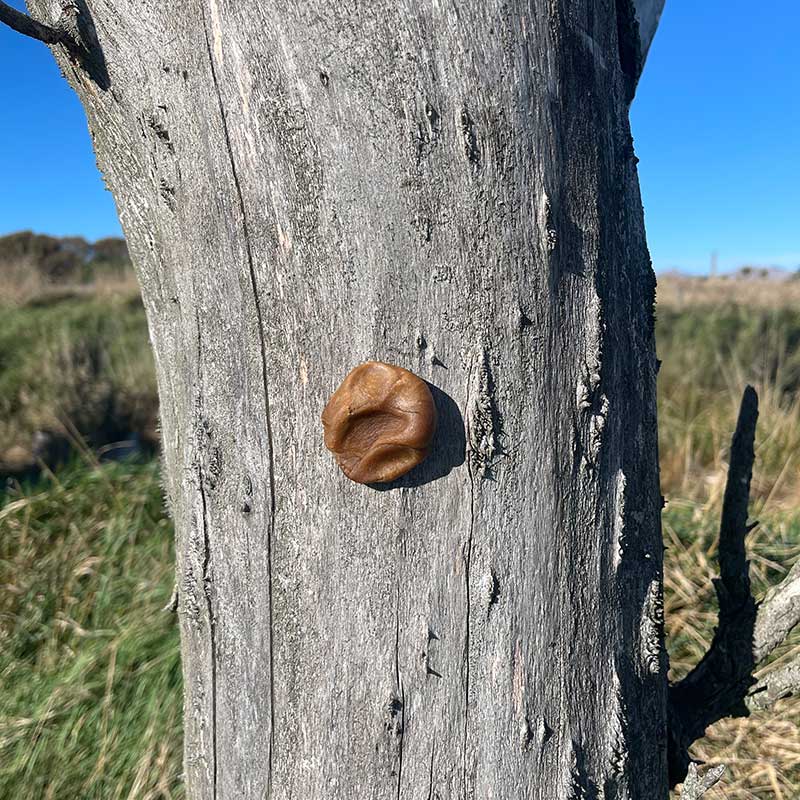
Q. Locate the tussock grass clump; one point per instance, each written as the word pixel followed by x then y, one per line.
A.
pixel 90 705
pixel 74 367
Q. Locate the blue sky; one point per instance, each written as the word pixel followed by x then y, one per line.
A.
pixel 716 124
pixel 49 181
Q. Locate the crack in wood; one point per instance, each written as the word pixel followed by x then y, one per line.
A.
pixel 204 436
pixel 430 775
pixel 270 443
pixel 207 590
pixel 398 705
pixel 491 591
pixel 471 149
pixel 467 559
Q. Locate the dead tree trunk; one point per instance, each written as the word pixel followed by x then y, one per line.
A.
pixel 447 186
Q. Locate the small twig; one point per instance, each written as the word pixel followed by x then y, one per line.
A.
pixel 74 31
pixel 780 683
pixel 28 26
pixel 695 785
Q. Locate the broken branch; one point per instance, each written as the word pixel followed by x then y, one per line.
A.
pixel 717 686
pixel 780 683
pixel 696 785
pixel 778 614
pixel 28 26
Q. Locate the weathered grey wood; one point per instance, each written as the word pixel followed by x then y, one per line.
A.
pixel 449 186
pixel 696 786
pixel 648 13
pixel 775 685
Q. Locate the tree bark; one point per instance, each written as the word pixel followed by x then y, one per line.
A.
pixel 450 187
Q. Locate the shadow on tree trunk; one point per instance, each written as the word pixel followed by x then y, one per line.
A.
pixel 447 448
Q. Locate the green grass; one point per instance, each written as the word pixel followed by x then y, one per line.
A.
pixel 717 345
pixel 89 663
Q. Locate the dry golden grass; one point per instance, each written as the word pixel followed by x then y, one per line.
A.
pixel 21 284
pixel 702 380
pixel 761 752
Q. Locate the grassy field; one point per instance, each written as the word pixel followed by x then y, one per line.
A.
pixel 89 663
pixel 713 338
pixel 89 666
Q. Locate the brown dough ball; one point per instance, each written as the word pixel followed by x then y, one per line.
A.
pixel 380 422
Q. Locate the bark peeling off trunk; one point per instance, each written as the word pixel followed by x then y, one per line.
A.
pixel 450 187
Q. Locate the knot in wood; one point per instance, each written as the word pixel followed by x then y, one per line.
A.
pixel 380 422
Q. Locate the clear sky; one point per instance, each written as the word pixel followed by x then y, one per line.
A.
pixel 716 123
pixel 717 128
pixel 49 181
